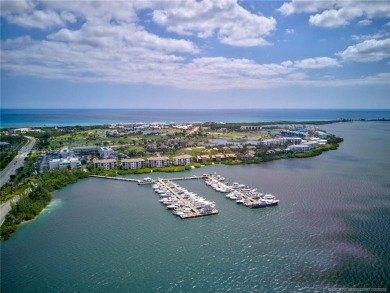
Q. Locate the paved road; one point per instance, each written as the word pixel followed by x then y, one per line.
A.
pixel 5 208
pixel 16 163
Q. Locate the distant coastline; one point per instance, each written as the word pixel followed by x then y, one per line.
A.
pixel 17 118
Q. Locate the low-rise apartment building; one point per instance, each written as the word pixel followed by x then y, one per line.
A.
pixel 218 157
pixel 182 160
pixel 132 164
pixel 157 162
pixel 203 158
pixel 230 156
pixel 108 164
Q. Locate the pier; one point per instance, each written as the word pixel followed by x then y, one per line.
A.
pixel 194 211
pixel 242 194
pixel 186 178
pixel 115 178
pixel 137 180
pixel 239 192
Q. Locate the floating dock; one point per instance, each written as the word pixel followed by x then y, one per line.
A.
pixel 247 199
pixel 195 213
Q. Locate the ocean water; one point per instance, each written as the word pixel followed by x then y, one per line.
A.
pixel 331 230
pixel 70 117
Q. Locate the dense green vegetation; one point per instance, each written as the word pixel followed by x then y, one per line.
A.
pixel 27 208
pixel 56 179
pixel 9 151
pixel 31 203
pixel 25 172
pixel 6 157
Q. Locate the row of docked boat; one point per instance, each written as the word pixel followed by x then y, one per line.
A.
pixel 182 202
pixel 242 194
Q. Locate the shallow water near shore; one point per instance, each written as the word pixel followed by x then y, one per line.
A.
pixel 330 230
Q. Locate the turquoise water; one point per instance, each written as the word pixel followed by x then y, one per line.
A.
pixel 71 117
pixel 330 230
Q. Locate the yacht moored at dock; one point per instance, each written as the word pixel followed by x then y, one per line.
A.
pixel 146 180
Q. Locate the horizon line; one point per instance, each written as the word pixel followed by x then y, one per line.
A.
pixel 382 109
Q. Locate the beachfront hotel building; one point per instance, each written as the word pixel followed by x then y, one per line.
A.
pixel 132 164
pixel 108 164
pixel 182 160
pixel 157 162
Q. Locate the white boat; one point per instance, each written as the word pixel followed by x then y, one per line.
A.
pixel 178 212
pixel 171 207
pixel 146 180
pixel 268 196
pixel 237 185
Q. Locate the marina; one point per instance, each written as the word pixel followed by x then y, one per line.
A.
pixel 183 203
pixel 241 193
pixel 186 204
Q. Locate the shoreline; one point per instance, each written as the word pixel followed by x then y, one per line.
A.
pixel 269 122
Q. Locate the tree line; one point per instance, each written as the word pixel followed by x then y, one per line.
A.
pixel 31 204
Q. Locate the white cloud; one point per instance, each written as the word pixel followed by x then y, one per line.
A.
pixel 304 6
pixel 376 36
pixel 289 31
pixel 20 6
pixel 316 63
pixel 364 22
pixel 232 24
pixel 108 43
pixel 332 18
pixel 37 19
pixel 334 13
pixel 367 51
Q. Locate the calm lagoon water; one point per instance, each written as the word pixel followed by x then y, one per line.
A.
pixel 331 230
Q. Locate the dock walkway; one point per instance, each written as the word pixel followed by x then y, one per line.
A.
pixel 115 178
pixel 136 180
pixel 194 211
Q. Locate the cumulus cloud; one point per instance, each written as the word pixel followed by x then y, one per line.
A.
pixel 232 24
pixel 81 59
pixel 364 22
pixel 367 51
pixel 334 13
pixel 313 63
pixel 108 43
pixel 377 35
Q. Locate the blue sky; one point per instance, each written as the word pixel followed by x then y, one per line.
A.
pixel 195 54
